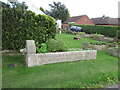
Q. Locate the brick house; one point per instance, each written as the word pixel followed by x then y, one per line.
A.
pixel 106 21
pixel 81 20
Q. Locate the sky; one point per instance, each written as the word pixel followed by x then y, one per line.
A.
pixel 91 8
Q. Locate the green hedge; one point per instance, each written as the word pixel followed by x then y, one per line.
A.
pixel 19 26
pixel 109 31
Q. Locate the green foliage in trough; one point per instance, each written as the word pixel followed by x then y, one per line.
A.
pixel 55 45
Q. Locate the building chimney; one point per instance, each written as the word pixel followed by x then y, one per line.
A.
pixel 103 17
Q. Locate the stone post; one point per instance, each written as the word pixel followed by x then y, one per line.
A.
pixel 30 47
pixel 31 51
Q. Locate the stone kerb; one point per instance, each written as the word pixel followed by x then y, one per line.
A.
pixel 33 59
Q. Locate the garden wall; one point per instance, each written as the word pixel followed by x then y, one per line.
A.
pixel 33 59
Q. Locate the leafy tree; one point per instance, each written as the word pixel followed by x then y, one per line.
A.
pixel 16 5
pixel 21 5
pixel 58 11
pixel 42 9
pixel 4 5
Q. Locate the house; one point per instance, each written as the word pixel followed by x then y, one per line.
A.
pixel 107 21
pixel 81 20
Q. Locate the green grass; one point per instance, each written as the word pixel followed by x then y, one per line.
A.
pixel 70 42
pixel 91 73
pixel 100 72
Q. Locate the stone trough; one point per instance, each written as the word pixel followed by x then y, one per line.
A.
pixel 34 59
pixel 115 52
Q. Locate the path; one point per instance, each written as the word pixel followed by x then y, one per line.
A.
pixel 115 86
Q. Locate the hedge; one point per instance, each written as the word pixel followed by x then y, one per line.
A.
pixel 109 31
pixel 19 26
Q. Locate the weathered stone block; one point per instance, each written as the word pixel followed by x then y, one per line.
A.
pixel 30 47
pixel 47 58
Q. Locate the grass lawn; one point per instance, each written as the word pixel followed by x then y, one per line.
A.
pixel 71 43
pixel 81 74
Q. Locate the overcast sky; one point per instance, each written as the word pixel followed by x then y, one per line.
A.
pixel 91 8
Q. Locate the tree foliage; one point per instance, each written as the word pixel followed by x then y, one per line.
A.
pixel 4 5
pixel 19 25
pixel 58 11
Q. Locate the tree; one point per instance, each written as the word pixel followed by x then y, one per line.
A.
pixel 21 5
pixel 58 11
pixel 15 5
pixel 4 5
pixel 42 9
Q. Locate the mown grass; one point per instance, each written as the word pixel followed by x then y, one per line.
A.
pixel 71 43
pixel 100 72
pixel 81 74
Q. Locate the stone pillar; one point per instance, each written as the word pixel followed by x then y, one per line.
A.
pixel 31 51
pixel 30 47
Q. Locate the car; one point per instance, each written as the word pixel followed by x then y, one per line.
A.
pixel 75 28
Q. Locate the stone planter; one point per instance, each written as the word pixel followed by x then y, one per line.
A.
pixel 98 47
pixel 80 34
pixel 33 58
pixel 106 39
pixel 97 37
pixel 115 52
pixel 74 33
pixel 91 46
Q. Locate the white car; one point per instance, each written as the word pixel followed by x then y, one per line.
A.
pixel 75 28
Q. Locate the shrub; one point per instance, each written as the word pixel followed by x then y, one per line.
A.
pixel 41 48
pixel 55 45
pixel 118 42
pixel 109 31
pixel 98 43
pixel 86 45
pixel 97 36
pixel 118 33
pixel 73 32
pixel 69 31
pixel 111 45
pixel 19 26
pixel 81 33
pixel 117 37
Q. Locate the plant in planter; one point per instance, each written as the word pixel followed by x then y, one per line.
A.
pixel 41 48
pixel 74 33
pixel 81 33
pixel 98 43
pixel 114 51
pixel 97 36
pixel 95 45
pixel 86 45
pixel 117 37
pixel 75 49
pixel 55 45
pixel 112 44
pixel 69 32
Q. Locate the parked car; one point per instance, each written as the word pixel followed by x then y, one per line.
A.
pixel 75 28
